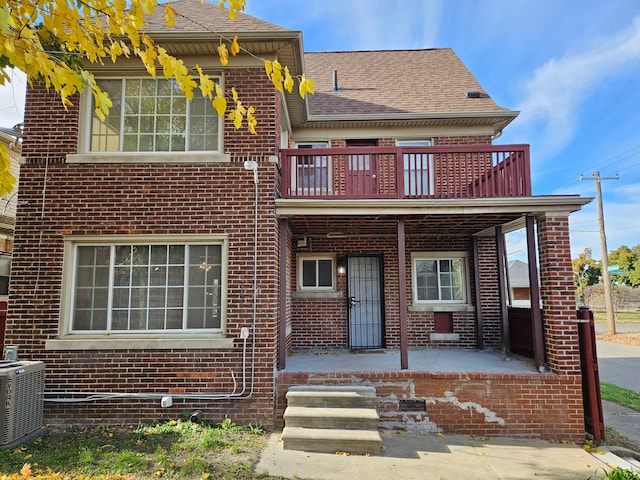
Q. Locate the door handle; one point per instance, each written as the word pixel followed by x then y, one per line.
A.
pixel 353 301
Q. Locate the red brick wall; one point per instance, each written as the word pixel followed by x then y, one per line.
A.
pixel 50 130
pixel 322 322
pixel 558 295
pixel 153 199
pixel 528 405
pixel 489 288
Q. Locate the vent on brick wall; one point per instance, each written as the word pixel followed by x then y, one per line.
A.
pixel 413 405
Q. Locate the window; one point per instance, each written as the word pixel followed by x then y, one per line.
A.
pixel 418 169
pixel 312 172
pixel 440 277
pixel 153 115
pixel 147 288
pixel 316 272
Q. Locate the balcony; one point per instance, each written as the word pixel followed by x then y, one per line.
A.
pixel 459 171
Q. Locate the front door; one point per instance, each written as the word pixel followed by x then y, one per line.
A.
pixel 364 302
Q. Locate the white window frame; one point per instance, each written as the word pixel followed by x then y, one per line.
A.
pixel 463 256
pixel 316 257
pixel 427 142
pixel 86 115
pixel 302 190
pixel 138 339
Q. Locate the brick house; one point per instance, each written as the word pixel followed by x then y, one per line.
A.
pixel 164 253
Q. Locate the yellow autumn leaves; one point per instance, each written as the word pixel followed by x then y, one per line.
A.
pixel 281 78
pixel 49 40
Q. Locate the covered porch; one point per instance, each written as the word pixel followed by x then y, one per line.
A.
pixel 469 392
pixel 393 230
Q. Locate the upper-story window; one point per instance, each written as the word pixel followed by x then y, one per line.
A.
pixel 418 169
pixel 153 115
pixel 312 172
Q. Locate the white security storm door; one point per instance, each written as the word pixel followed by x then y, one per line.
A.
pixel 364 302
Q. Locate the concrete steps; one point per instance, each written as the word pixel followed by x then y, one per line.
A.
pixel 330 419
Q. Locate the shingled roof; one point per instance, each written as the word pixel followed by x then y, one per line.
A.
pixel 429 81
pixel 417 87
pixel 193 16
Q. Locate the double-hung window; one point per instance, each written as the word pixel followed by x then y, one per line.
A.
pixel 153 115
pixel 439 277
pixel 146 287
pixel 418 169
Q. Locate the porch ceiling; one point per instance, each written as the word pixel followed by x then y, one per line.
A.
pixel 382 225
pixel 340 218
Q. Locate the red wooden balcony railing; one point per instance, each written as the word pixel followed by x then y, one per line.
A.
pixel 469 171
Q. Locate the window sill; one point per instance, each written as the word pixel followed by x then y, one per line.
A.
pixel 149 157
pixel 337 294
pixel 451 337
pixel 116 342
pixel 446 307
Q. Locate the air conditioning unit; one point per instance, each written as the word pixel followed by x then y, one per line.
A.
pixel 21 399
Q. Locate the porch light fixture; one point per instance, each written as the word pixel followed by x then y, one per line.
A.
pixel 342 266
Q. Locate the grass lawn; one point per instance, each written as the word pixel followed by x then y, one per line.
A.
pixel 174 450
pixel 621 396
pixel 622 317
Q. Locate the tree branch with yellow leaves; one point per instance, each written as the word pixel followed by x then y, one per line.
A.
pixel 52 40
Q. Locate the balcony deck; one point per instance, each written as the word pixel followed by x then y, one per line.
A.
pixel 458 171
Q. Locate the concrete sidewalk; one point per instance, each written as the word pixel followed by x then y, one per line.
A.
pixel 412 456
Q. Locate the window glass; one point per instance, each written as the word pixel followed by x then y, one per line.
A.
pixel 418 169
pixel 312 172
pixel 316 273
pixel 143 287
pixel 153 115
pixel 325 273
pixel 309 273
pixel 439 279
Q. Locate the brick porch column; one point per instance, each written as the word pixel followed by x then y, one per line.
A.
pixel 557 293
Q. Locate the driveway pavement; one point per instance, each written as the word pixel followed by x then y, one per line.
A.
pixel 412 456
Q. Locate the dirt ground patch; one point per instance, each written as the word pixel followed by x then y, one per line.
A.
pixel 626 338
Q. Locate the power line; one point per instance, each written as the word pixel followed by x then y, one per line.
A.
pixel 608 162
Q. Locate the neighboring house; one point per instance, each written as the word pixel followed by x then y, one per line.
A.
pixel 519 291
pixel 12 140
pixel 165 253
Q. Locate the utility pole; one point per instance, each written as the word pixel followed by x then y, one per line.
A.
pixel 608 296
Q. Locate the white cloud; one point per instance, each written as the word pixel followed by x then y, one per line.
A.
pixel 557 89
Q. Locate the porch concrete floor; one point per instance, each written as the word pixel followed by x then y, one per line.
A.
pixel 422 360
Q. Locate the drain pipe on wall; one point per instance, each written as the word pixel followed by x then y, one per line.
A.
pixel 253 165
pixel 166 399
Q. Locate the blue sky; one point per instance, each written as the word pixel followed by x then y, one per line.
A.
pixel 572 68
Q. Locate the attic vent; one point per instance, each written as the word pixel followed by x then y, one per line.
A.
pixel 476 94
